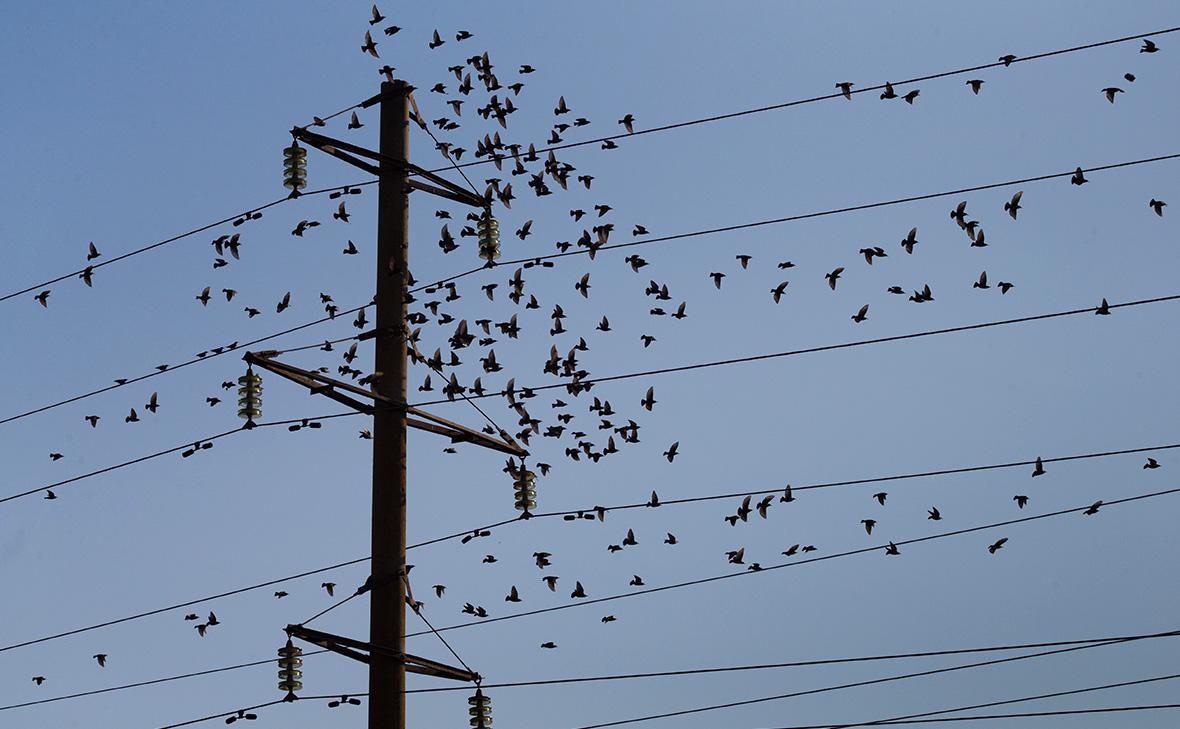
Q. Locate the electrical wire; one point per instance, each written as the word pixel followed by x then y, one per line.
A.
pixel 515 520
pixel 838 555
pixel 873 682
pixel 171 368
pixel 150 682
pixel 173 239
pixel 823 348
pixel 807 216
pixel 232 712
pixel 167 451
pixel 1014 715
pixel 837 95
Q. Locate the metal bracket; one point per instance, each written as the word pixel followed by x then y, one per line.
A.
pixel 346 151
pixel 319 384
pixel 360 651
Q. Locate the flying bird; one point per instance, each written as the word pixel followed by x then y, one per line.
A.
pixel 1158 206
pixel 833 276
pixel 101 658
pixel 975 84
pixel 1149 46
pixel 370 45
pixel 997 545
pixel 1013 205
pixel 1110 91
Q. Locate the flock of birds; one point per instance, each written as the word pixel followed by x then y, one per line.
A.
pixel 608 427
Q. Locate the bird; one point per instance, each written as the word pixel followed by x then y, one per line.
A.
pixel 609 619
pixel 281 594
pixel 1103 308
pixel 93 420
pixel 910 240
pixel 895 290
pixel 736 556
pixel 513 595
pixel 784 265
pixel 201 628
pixel 303 226
pixel 982 282
pixel 1020 500
pixel 647 340
pixel 330 587
pixel 1158 206
pixel 649 399
pixel 350 250
pixel 354 122
pixel 888 93
pixel 1151 463
pixel 132 417
pixel 284 303
pixel 869 524
pixel 1110 91
pixel 628 123
pixel 1014 204
pixel 1093 508
pixel 861 315
pixel 578 591
pixel 377 16
pixel 49 495
pixel 561 108
pixel 743 259
pixel 636 581
pixel 370 46
pixel 213 619
pixel 1038 468
pixel 833 276
pixel 92 252
pixel 778 291
pixel 629 540
pixel 880 497
pixel 975 84
pixel 1007 59
pixel 550 582
pixel 909 98
pixel 101 658
pixel 671 453
pixel 787 496
pixel 341 213
pixel 670 539
pixel 1130 77
pixel 996 545
pixel 548 644
pixel 87 275
pixel 716 276
pixel 892 549
pixel 1078 177
pixel 1149 46
pixel 38 680
pixel 435 41
pixel 873 252
pixel 1005 286
pixel 846 89
pixel 583 286
pixel 934 514
pixel 43 298
pixel 204 297
pixel 439 590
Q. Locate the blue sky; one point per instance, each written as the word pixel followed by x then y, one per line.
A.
pixel 134 121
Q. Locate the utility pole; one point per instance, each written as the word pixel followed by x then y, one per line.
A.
pixel 387 613
pixel 388 584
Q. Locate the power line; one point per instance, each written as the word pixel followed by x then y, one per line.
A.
pixel 580 384
pixel 1015 715
pixel 799 664
pixel 173 239
pixel 167 451
pixel 231 712
pixel 808 216
pixel 843 686
pixel 171 368
pixel 633 676
pixel 823 558
pixel 827 97
pixel 149 682
pixel 515 520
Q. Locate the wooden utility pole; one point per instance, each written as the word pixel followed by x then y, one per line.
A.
pixel 387 616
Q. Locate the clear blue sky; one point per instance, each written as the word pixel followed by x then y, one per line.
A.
pixel 129 122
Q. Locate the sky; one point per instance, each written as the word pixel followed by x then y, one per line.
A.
pixel 132 122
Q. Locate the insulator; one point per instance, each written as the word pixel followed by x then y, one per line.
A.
pixel 294 168
pixel 525 489
pixel 489 237
pixel 289 663
pixel 250 395
pixel 480 710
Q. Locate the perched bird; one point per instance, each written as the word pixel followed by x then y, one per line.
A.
pixel 996 545
pixel 975 84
